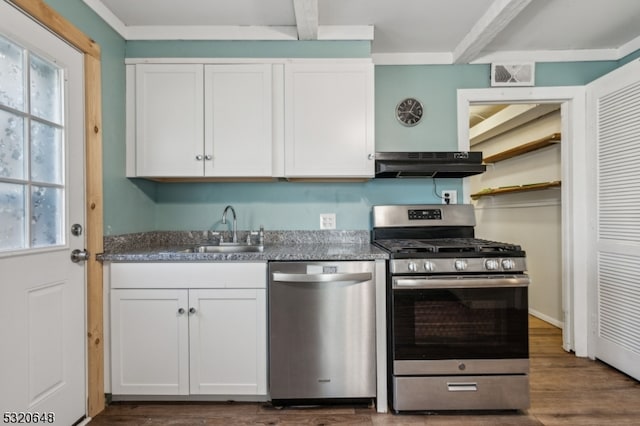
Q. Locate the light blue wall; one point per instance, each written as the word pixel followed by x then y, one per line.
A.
pixel 435 86
pixel 287 205
pixel 248 49
pixel 136 205
pixel 129 206
pixel 632 57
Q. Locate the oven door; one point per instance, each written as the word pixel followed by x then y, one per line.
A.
pixel 459 318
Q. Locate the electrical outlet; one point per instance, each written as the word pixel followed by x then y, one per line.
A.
pixel 449 196
pixel 327 221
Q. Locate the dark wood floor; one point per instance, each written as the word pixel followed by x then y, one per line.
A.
pixel 565 390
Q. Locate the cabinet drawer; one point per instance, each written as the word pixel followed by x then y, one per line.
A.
pixel 189 275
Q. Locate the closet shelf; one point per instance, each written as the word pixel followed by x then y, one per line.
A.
pixel 523 149
pixel 516 188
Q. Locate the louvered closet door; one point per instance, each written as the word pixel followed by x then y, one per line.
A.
pixel 613 119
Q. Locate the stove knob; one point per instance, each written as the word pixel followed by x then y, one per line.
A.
pixel 412 267
pixel 508 264
pixel 429 266
pixel 491 264
pixel 460 265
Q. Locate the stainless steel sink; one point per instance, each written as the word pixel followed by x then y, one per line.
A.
pixel 225 248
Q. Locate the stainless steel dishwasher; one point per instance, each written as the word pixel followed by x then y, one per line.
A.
pixel 321 332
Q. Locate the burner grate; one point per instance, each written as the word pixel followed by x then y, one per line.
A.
pixel 447 245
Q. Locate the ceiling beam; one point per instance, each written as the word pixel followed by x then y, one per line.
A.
pixel 496 18
pixel 306 12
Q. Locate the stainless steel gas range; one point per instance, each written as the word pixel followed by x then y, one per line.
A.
pixel 457 311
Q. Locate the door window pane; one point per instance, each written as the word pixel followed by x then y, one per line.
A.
pixel 46 218
pixel 32 150
pixel 45 90
pixel 12 214
pixel 12 149
pixel 11 75
pixel 46 153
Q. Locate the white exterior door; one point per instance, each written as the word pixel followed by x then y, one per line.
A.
pixel 42 293
pixel 613 116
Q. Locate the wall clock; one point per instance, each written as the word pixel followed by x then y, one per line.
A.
pixel 409 112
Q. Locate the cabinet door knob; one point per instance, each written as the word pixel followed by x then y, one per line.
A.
pixel 199 157
pixel 180 311
pixel 208 157
pixel 192 310
pixel 372 156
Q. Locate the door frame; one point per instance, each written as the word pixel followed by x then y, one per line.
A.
pixel 64 29
pixel 574 192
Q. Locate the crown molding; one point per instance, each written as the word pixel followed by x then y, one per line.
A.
pixel 109 17
pixel 211 32
pixel 579 55
pixel 413 58
pixel 446 58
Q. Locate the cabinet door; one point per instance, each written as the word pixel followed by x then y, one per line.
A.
pixel 149 342
pixel 169 120
pixel 329 121
pixel 228 342
pixel 238 120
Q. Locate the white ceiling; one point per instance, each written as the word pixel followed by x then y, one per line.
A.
pixel 400 31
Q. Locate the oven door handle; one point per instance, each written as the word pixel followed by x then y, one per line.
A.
pixel 321 278
pixel 465 282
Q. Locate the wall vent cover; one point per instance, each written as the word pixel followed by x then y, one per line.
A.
pixel 513 74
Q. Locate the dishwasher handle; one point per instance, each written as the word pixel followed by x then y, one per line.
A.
pixel 321 278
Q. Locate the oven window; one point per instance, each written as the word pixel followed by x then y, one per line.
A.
pixel 472 323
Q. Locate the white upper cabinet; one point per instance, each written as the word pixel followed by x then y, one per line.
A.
pixel 238 120
pixel 288 118
pixel 193 120
pixel 329 120
pixel 169 105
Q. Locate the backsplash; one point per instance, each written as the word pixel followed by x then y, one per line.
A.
pixel 147 240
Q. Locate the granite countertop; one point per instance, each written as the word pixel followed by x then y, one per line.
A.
pixel 170 246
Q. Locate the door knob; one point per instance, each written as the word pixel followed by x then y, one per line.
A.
pixel 78 256
pixel 192 310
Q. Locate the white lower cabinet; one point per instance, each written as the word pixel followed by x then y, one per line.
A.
pixel 181 341
pixel 149 342
pixel 226 339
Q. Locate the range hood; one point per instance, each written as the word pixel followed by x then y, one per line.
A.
pixel 428 164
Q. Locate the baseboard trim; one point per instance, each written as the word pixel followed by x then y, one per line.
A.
pixel 546 318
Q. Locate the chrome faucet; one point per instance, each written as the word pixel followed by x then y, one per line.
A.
pixel 235 222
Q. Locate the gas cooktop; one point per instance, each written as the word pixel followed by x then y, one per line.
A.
pixel 468 246
pixel 413 233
